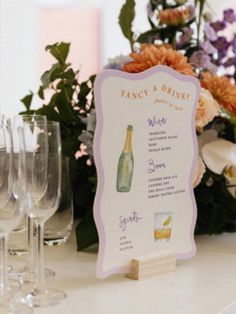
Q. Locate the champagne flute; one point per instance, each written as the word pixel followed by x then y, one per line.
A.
pixel 41 211
pixel 31 124
pixel 13 189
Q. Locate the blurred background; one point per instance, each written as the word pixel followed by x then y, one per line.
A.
pixel 27 26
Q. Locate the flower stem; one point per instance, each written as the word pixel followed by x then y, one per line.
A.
pixel 201 7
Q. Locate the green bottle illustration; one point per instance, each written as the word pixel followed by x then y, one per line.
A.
pixel 125 164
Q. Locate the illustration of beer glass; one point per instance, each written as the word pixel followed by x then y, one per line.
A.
pixel 125 164
pixel 163 224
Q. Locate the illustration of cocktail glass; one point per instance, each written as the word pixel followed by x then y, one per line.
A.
pixel 163 225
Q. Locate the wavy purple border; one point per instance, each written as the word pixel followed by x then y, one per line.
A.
pixel 100 170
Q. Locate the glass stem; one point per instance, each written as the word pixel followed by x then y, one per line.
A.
pixel 32 243
pixel 40 275
pixel 3 265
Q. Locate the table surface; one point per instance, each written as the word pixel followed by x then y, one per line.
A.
pixel 205 284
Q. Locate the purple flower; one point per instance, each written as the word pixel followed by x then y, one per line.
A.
pixel 209 32
pixel 212 68
pixel 229 16
pixel 230 62
pixel 91 121
pixel 222 45
pixel 185 37
pixel 200 59
pixel 218 25
pixel 233 43
pixel 87 138
pixel 118 62
pixel 208 47
pixel 192 11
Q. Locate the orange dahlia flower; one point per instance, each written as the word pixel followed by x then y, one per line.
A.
pixel 221 89
pixel 175 16
pixel 152 55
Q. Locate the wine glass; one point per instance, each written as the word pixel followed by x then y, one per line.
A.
pixel 13 189
pixel 59 227
pixel 31 125
pixel 41 210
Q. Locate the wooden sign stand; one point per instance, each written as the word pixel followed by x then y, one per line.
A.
pixel 154 264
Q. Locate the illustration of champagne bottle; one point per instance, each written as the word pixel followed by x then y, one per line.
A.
pixel 125 164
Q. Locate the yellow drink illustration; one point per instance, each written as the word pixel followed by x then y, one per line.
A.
pixel 162 234
pixel 125 164
pixel 162 228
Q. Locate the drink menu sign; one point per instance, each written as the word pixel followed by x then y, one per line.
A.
pixel 145 153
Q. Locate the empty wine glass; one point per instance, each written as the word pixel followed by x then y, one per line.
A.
pixel 13 189
pixel 41 210
pixel 58 228
pixel 32 125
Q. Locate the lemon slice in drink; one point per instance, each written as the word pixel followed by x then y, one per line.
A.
pixel 167 221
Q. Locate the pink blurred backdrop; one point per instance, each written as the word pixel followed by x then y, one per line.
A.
pixel 78 25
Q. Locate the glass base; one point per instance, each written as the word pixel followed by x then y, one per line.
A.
pixel 14 307
pixel 25 275
pixel 46 297
pixel 14 302
pixel 54 241
pixel 10 268
pixel 17 252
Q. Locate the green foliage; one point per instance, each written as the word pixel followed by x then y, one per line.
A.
pixel 233 123
pixel 86 232
pixel 216 206
pixel 27 100
pixel 158 33
pixel 70 102
pixel 148 36
pixel 200 4
pixel 59 51
pixel 126 18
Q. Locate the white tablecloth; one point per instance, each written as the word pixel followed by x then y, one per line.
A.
pixel 204 284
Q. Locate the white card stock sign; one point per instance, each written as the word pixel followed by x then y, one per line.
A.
pixel 145 153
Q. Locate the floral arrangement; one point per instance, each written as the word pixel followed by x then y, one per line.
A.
pixel 184 36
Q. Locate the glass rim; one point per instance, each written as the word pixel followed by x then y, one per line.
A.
pixel 31 115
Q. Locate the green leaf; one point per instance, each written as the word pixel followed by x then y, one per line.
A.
pixel 50 113
pixel 84 89
pixel 56 72
pixel 126 18
pixel 151 22
pixel 68 75
pixel 86 232
pixel 59 51
pixel 41 92
pixel 27 100
pixel 148 36
pixel 233 120
pixel 216 206
pixel 53 101
pixel 63 104
pixel 92 78
pixel 27 112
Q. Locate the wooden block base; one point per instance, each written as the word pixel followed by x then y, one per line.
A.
pixel 154 264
